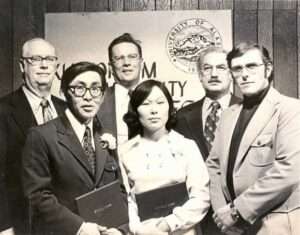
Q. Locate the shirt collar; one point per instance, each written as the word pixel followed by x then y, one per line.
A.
pixel 77 126
pixel 35 101
pixel 223 101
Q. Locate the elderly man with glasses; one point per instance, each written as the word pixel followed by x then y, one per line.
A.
pixel 30 105
pixel 255 160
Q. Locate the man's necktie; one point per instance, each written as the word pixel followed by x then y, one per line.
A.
pixel 211 124
pixel 46 110
pixel 88 148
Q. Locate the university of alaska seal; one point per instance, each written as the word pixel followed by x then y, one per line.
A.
pixel 187 39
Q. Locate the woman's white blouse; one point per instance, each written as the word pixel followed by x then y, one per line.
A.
pixel 148 165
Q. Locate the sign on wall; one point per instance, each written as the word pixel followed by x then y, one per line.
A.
pixel 171 43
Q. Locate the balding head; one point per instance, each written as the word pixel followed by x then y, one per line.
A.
pixel 39 46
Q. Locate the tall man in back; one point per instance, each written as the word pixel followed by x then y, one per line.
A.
pixel 28 106
pixel 125 62
pixel 198 121
pixel 255 161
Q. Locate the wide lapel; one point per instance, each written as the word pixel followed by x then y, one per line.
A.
pixel 194 121
pixel 228 120
pixel 101 157
pixel 68 138
pixel 259 120
pixel 107 111
pixel 22 112
pixel 59 105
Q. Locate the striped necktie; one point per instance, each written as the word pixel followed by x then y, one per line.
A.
pixel 47 115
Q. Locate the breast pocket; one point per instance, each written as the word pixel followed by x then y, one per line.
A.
pixel 261 151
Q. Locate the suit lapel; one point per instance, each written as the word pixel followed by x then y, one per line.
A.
pixel 22 112
pixel 107 111
pixel 194 121
pixel 58 104
pixel 261 117
pixel 68 138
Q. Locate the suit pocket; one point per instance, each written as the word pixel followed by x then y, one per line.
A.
pixel 261 151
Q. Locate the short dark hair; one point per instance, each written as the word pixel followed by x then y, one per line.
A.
pixel 75 69
pixel 243 47
pixel 126 37
pixel 141 92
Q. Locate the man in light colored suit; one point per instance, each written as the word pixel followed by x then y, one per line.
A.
pixel 125 62
pixel 255 160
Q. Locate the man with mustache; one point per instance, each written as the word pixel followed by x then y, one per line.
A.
pixel 30 105
pixel 198 121
pixel 125 62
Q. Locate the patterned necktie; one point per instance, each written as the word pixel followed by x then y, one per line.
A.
pixel 211 124
pixel 46 110
pixel 88 148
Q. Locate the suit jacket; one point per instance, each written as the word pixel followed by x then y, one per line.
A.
pixel 56 171
pixel 266 173
pixel 16 117
pixel 189 123
pixel 107 111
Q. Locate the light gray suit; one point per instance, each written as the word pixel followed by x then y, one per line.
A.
pixel 266 175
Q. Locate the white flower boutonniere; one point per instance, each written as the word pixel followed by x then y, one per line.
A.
pixel 108 141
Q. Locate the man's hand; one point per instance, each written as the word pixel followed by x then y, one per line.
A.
pixel 111 231
pixel 91 229
pixel 223 218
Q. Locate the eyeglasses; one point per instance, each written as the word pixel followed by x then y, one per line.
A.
pixel 120 59
pixel 80 91
pixel 251 68
pixel 37 60
pixel 206 70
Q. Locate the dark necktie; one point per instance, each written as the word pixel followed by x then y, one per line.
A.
pixel 88 148
pixel 211 124
pixel 47 116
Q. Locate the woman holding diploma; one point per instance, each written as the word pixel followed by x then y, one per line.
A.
pixel 157 157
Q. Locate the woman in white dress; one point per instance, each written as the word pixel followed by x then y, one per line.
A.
pixel 158 156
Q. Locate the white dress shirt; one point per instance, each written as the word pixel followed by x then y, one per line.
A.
pixel 122 100
pixel 35 104
pixel 79 128
pixel 148 165
pixel 206 108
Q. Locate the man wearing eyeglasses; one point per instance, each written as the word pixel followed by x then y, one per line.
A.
pixel 194 120
pixel 255 161
pixel 64 158
pixel 30 105
pixel 125 61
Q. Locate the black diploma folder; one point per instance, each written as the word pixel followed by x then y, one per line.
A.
pixel 104 206
pixel 160 202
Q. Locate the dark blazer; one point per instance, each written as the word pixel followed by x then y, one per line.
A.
pixel 189 123
pixel 16 117
pixel 107 111
pixel 56 171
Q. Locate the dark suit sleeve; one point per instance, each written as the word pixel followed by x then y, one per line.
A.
pixel 5 221
pixel 37 174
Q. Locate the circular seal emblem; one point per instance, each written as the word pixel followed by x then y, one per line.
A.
pixel 187 39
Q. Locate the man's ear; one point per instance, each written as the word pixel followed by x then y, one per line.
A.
pixel 268 70
pixel 22 65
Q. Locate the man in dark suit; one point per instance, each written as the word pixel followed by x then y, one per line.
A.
pixel 193 120
pixel 64 158
pixel 19 111
pixel 125 61
pixel 254 163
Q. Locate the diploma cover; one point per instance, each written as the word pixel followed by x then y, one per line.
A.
pixel 104 206
pixel 160 202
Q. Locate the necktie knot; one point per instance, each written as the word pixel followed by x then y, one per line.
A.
pixel 215 106
pixel 44 103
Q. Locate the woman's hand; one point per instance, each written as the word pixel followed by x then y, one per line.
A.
pixel 149 227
